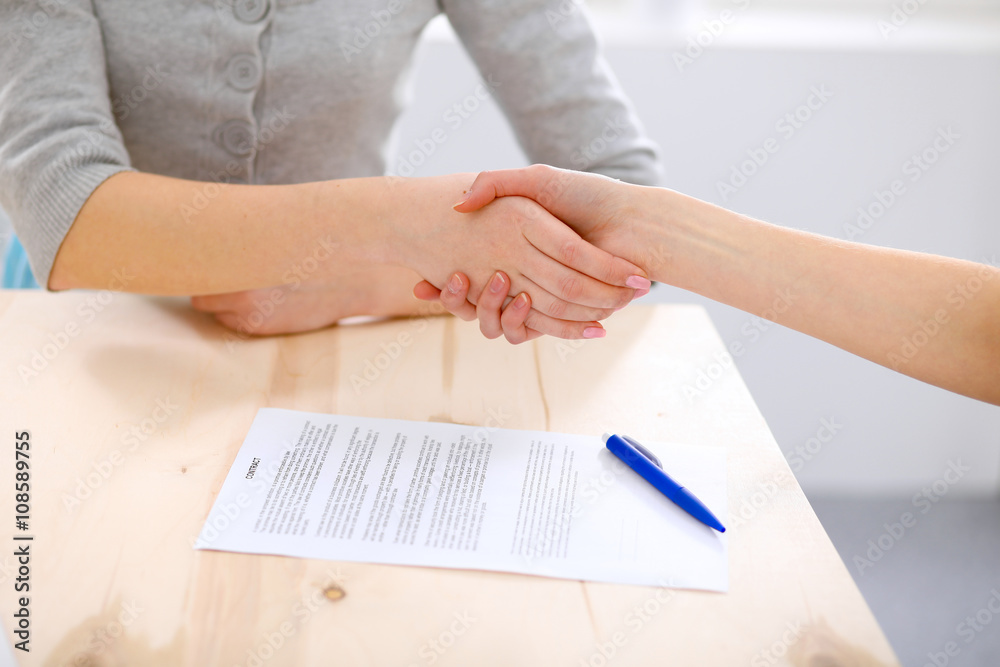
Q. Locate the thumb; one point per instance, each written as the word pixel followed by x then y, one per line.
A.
pixel 526 182
pixel 425 291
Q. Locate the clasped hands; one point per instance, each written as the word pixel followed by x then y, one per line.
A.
pixel 594 207
pixel 554 254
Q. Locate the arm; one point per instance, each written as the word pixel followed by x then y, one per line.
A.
pixel 933 318
pixel 58 137
pixel 544 65
pixel 83 214
pixel 248 237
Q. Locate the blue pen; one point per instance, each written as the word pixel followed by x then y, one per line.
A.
pixel 644 462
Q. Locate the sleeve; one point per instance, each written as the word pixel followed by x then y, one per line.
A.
pixel 543 63
pixel 58 137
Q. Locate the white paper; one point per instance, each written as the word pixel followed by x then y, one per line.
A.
pixel 446 495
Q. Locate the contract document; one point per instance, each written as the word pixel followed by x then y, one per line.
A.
pixel 446 495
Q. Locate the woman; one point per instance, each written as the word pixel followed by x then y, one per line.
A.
pixel 235 149
pixel 933 318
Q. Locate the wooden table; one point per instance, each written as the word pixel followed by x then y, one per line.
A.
pixel 136 407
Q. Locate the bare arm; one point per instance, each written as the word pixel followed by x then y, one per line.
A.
pixel 173 236
pixel 180 237
pixel 934 318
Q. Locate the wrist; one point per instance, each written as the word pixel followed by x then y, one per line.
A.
pixel 704 248
pixel 410 214
pixel 353 214
pixel 652 222
pixel 681 236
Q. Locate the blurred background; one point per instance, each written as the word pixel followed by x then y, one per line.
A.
pixel 712 80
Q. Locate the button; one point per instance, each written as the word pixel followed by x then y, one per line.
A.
pixel 250 11
pixel 236 136
pixel 243 72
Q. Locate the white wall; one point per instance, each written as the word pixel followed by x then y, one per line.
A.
pixel 888 103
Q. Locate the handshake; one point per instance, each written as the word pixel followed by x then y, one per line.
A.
pixel 584 262
pixel 546 251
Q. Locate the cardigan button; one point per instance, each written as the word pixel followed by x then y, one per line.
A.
pixel 243 72
pixel 236 136
pixel 250 11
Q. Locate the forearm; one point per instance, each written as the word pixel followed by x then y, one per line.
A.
pixel 936 319
pixel 556 87
pixel 178 237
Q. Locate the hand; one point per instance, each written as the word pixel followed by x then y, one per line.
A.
pixel 500 315
pixel 314 304
pixel 565 277
pixel 602 210
pixel 605 212
pixel 494 319
pixel 511 318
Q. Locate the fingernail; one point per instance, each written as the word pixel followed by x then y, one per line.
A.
pixel 640 293
pixel 462 200
pixel 638 282
pixel 521 302
pixel 594 332
pixel 455 284
pixel 496 285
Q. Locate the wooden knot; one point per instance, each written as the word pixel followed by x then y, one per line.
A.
pixel 334 592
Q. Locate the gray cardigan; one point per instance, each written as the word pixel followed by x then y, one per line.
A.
pixel 273 91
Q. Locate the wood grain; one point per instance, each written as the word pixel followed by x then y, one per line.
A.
pixel 135 420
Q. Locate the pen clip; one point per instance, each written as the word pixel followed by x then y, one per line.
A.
pixel 642 450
